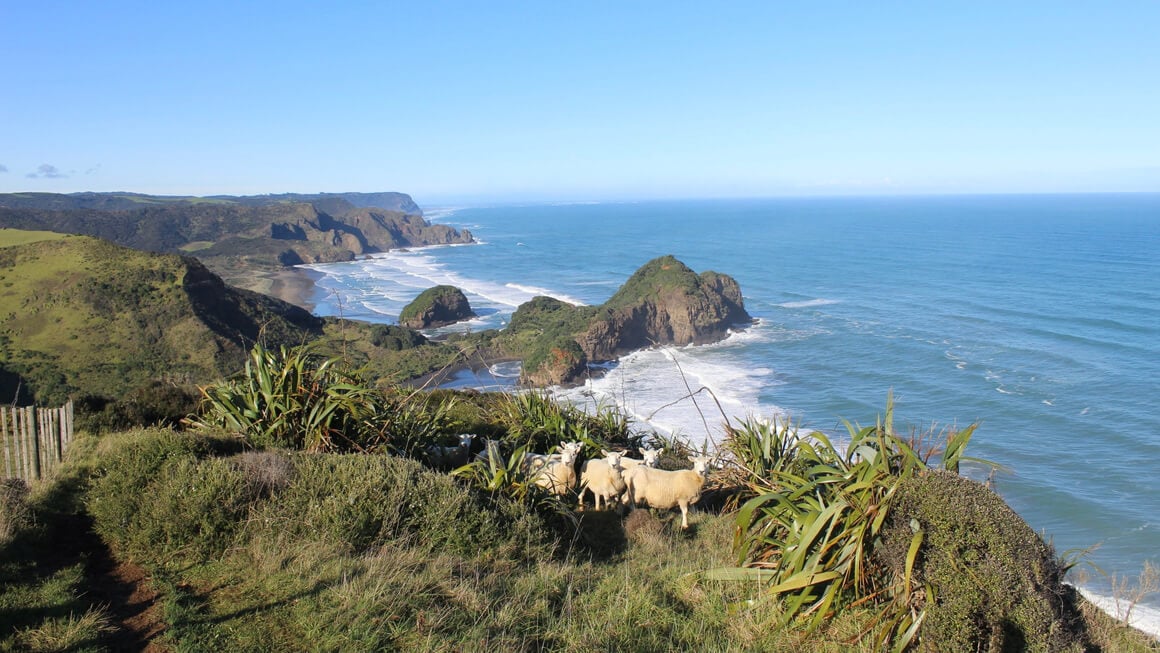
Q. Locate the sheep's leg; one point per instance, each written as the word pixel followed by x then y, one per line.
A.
pixel 684 514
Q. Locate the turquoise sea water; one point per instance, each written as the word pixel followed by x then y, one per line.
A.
pixel 1038 316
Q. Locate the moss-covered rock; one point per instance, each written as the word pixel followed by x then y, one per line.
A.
pixel 665 302
pixel 436 307
pixel 554 363
pixel 996 585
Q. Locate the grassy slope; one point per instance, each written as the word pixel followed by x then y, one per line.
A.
pixel 13 237
pixel 78 314
pixel 289 551
pixel 84 314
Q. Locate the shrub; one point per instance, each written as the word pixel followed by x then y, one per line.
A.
pixel 128 497
pixel 363 502
pixel 292 398
pixel 994 585
pixel 818 515
pixel 15 513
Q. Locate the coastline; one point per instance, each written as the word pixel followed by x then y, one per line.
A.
pixel 293 284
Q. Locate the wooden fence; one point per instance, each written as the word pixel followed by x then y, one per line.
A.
pixel 34 439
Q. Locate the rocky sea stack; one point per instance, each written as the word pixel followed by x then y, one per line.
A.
pixel 663 303
pixel 436 307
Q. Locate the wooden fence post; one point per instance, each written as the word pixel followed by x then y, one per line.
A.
pixel 8 466
pixel 34 440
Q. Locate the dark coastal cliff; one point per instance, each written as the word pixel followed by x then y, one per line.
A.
pixel 235 236
pixel 663 303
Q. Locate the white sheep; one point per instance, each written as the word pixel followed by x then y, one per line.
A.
pixel 450 457
pixel 490 448
pixel 602 477
pixel 664 490
pixel 535 461
pixel 558 476
pixel 649 458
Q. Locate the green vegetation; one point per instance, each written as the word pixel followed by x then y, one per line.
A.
pixel 235 236
pixel 939 561
pixel 84 316
pixel 652 281
pixel 11 237
pixel 436 306
pixel 268 548
pixel 129 334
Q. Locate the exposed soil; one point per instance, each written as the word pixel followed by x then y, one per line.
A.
pixel 121 587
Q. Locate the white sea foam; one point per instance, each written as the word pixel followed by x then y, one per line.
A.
pixel 686 391
pixel 808 303
pixel 543 292
pixel 1140 617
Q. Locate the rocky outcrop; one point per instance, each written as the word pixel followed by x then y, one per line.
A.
pixel 390 229
pixel 665 303
pixel 436 307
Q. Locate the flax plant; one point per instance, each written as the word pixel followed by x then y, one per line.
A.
pixel 292 398
pixel 816 514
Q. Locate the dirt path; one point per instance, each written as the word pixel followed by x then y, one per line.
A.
pixel 123 588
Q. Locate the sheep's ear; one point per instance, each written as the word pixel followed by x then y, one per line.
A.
pixel 604 452
pixel 692 459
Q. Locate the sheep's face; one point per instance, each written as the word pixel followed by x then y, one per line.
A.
pixel 650 457
pixel 701 463
pixel 613 458
pixel 574 447
pixel 466 439
pixel 567 456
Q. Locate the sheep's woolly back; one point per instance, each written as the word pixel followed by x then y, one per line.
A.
pixel 663 489
pixel 558 477
pixel 602 477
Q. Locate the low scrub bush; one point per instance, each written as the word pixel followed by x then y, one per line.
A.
pixel 15 513
pixel 134 480
pixel 363 502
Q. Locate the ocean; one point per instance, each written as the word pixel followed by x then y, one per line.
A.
pixel 1037 316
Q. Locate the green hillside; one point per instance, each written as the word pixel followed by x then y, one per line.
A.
pixel 79 313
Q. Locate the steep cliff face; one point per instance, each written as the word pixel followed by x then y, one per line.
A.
pixel 665 303
pixel 388 229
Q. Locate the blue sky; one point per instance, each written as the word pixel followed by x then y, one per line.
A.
pixel 494 101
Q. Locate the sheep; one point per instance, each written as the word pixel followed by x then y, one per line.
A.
pixel 558 476
pixel 664 490
pixel 490 448
pixel 602 477
pixel 450 457
pixel 649 458
pixel 534 461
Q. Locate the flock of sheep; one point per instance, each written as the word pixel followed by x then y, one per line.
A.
pixel 613 479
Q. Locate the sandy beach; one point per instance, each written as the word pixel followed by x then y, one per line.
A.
pixel 294 285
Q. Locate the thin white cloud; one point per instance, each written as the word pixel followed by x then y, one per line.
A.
pixel 46 171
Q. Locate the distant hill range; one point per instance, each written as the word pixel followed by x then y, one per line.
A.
pixel 236 236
